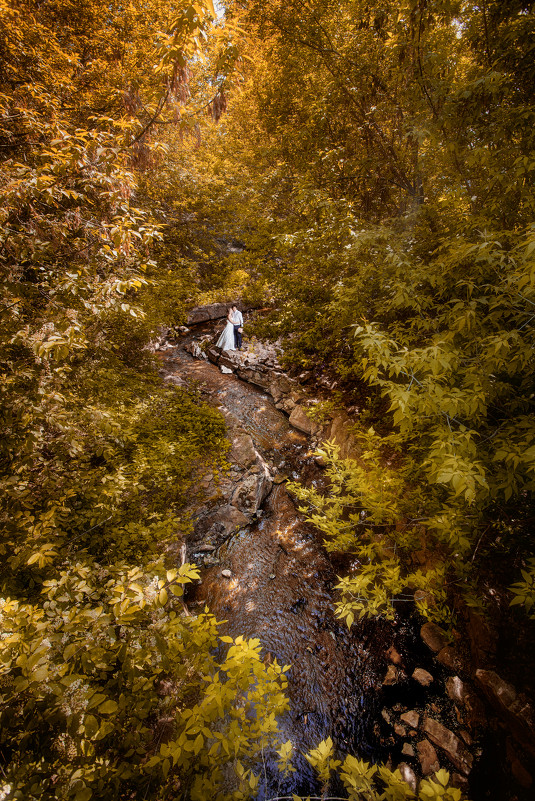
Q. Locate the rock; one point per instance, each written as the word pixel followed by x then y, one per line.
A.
pixel 400 730
pixel 461 782
pixel 278 478
pixel 423 677
pixel 452 746
pixel 340 432
pixel 286 404
pixel 213 311
pixel 176 380
pixel 482 638
pixel 408 776
pixel 456 690
pixel 213 354
pixel 385 714
pixel 434 637
pixel 407 750
pixel 226 370
pixel 206 548
pixel 216 526
pixel 254 376
pixel 465 737
pixel 300 420
pixel 226 573
pixel 391 675
pixel 393 656
pixel 428 757
pixel 243 451
pixel 514 709
pixel 450 658
pixel 411 718
pixel 228 361
pixel 251 491
pixel 279 385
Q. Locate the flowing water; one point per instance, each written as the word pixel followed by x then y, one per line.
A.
pixel 281 592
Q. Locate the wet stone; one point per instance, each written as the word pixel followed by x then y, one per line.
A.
pixel 300 420
pixel 456 689
pixel 423 677
pixel 434 637
pixel 450 658
pixel 391 675
pixel 411 718
pixel 408 775
pixel 407 750
pixel 452 746
pixel 243 451
pixel 428 757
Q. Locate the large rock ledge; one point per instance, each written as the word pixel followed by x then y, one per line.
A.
pixel 212 311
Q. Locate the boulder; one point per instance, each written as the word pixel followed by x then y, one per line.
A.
pixel 300 420
pixel 428 757
pixel 452 746
pixel 514 709
pixel 251 492
pixel 434 637
pixel 213 311
pixel 243 452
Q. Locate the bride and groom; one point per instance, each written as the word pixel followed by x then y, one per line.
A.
pixel 231 338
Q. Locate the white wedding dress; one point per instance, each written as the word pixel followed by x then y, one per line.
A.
pixel 226 340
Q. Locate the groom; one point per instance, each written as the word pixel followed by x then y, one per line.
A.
pixel 237 321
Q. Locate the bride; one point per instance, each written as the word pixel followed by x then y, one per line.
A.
pixel 226 340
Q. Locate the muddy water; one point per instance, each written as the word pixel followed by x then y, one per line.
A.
pixel 281 592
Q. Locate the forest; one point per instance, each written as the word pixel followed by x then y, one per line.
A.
pixel 359 175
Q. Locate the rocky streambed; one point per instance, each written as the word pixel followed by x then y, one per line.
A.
pixel 400 693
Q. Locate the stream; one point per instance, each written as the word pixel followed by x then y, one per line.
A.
pixel 397 692
pixel 281 592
